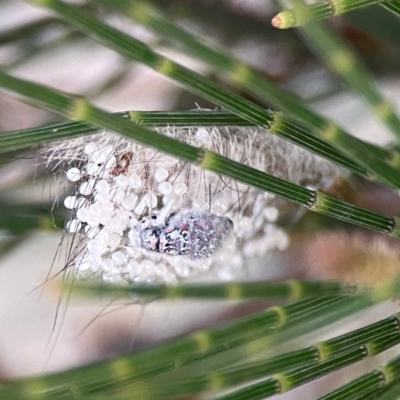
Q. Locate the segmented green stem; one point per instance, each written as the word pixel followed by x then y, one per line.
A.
pixel 295 319
pixel 393 6
pixel 286 381
pixel 109 375
pixel 246 371
pixel 80 109
pixel 30 137
pixel 320 10
pixel 361 387
pixel 247 78
pixel 388 392
pixel 292 290
pixel 10 141
pixel 369 383
pixel 138 51
pixel 188 118
pixel 341 59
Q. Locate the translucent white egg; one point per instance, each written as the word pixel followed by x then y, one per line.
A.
pixel 180 189
pixel 165 188
pixel 73 226
pixel 86 188
pixel 161 174
pixel 70 202
pixel 74 174
pixel 134 181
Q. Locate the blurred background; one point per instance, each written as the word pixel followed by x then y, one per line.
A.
pixel 38 335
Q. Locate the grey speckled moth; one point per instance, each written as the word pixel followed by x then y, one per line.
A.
pixel 192 233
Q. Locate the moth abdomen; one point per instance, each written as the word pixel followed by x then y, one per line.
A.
pixel 192 233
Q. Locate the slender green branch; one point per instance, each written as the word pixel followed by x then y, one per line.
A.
pixel 239 74
pixel 289 380
pixel 10 141
pixel 298 318
pixel 388 392
pixel 188 118
pixel 393 6
pixel 248 370
pixel 292 290
pixel 81 109
pixel 341 59
pixel 111 374
pixel 368 383
pixel 320 10
pixel 30 137
pixel 141 372
pixel 138 51
pixel 327 314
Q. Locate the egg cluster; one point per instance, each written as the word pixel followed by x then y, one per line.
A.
pixel 138 215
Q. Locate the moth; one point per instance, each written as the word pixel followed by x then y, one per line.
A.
pixel 192 233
